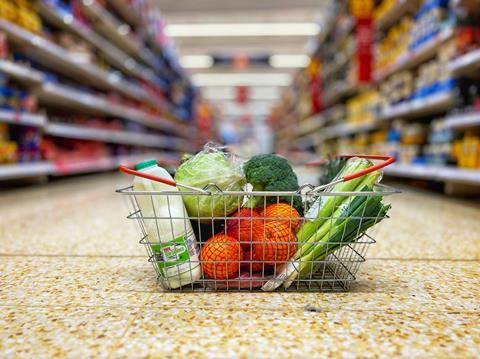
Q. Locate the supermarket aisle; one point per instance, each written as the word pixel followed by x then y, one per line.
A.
pixel 75 281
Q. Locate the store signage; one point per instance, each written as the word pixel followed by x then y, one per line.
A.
pixel 241 94
pixel 315 84
pixel 364 32
pixel 362 10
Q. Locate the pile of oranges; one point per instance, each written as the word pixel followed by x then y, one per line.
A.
pixel 253 239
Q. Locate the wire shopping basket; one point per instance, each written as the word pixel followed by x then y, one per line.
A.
pixel 273 247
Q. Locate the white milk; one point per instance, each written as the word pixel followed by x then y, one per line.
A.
pixel 176 240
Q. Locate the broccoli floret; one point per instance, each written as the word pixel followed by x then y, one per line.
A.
pixel 271 173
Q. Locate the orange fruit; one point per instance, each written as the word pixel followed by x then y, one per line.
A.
pixel 273 242
pixel 242 224
pixel 284 213
pixel 220 257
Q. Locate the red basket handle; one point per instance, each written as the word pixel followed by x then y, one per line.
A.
pixel 387 160
pixel 129 171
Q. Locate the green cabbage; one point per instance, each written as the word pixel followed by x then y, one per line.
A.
pixel 210 168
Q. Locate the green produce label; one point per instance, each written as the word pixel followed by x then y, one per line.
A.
pixel 174 258
pixel 172 253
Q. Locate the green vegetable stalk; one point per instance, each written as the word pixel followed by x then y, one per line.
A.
pixel 329 204
pixel 368 211
pixel 362 213
pixel 342 212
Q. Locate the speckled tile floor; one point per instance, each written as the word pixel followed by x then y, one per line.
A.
pixel 74 282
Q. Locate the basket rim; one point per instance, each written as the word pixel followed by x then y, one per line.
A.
pixel 378 190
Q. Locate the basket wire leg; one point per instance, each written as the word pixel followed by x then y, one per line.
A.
pixel 329 221
pixel 187 229
pixel 341 270
pixel 352 263
pixel 200 240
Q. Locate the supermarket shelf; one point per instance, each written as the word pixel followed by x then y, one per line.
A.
pixel 75 166
pixel 22 118
pixel 114 55
pixel 24 170
pixel 109 26
pixel 346 129
pixel 317 121
pixel 401 8
pixel 311 124
pixel 339 90
pixel 337 66
pixel 466 64
pixel 20 72
pixel 63 95
pixel 435 173
pixel 422 107
pixel 58 59
pixel 417 56
pixel 126 11
pixel 71 167
pixel 463 120
pixel 111 136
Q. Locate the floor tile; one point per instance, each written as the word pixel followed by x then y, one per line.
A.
pixel 76 281
pixel 220 333
pixel 382 285
pixel 428 226
pixel 76 332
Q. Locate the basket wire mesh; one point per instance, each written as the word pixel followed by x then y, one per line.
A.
pixel 336 271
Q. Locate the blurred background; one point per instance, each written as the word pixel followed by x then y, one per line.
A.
pixel 88 84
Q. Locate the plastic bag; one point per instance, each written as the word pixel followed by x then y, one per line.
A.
pixel 222 171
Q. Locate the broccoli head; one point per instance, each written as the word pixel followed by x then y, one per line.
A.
pixel 270 172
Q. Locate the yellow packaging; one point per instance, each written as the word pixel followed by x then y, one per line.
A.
pixel 8 10
pixel 28 19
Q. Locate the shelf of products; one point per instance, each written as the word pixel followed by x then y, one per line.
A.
pixel 22 118
pixel 415 57
pixel 423 104
pixel 76 100
pixel 123 137
pixel 389 12
pixel 25 170
pixel 106 24
pixel 338 91
pixel 111 52
pixel 319 120
pixel 62 61
pixel 346 129
pixel 431 105
pixel 78 166
pixel 462 120
pixel 65 96
pixel 20 72
pixel 435 173
pixel 466 64
pixel 125 10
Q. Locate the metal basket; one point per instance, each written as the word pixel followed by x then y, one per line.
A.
pixel 242 271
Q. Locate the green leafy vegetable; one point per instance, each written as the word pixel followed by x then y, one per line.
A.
pixel 210 168
pixel 271 173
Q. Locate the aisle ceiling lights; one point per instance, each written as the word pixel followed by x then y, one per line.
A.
pixel 275 61
pixel 196 61
pixel 243 29
pixel 241 79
